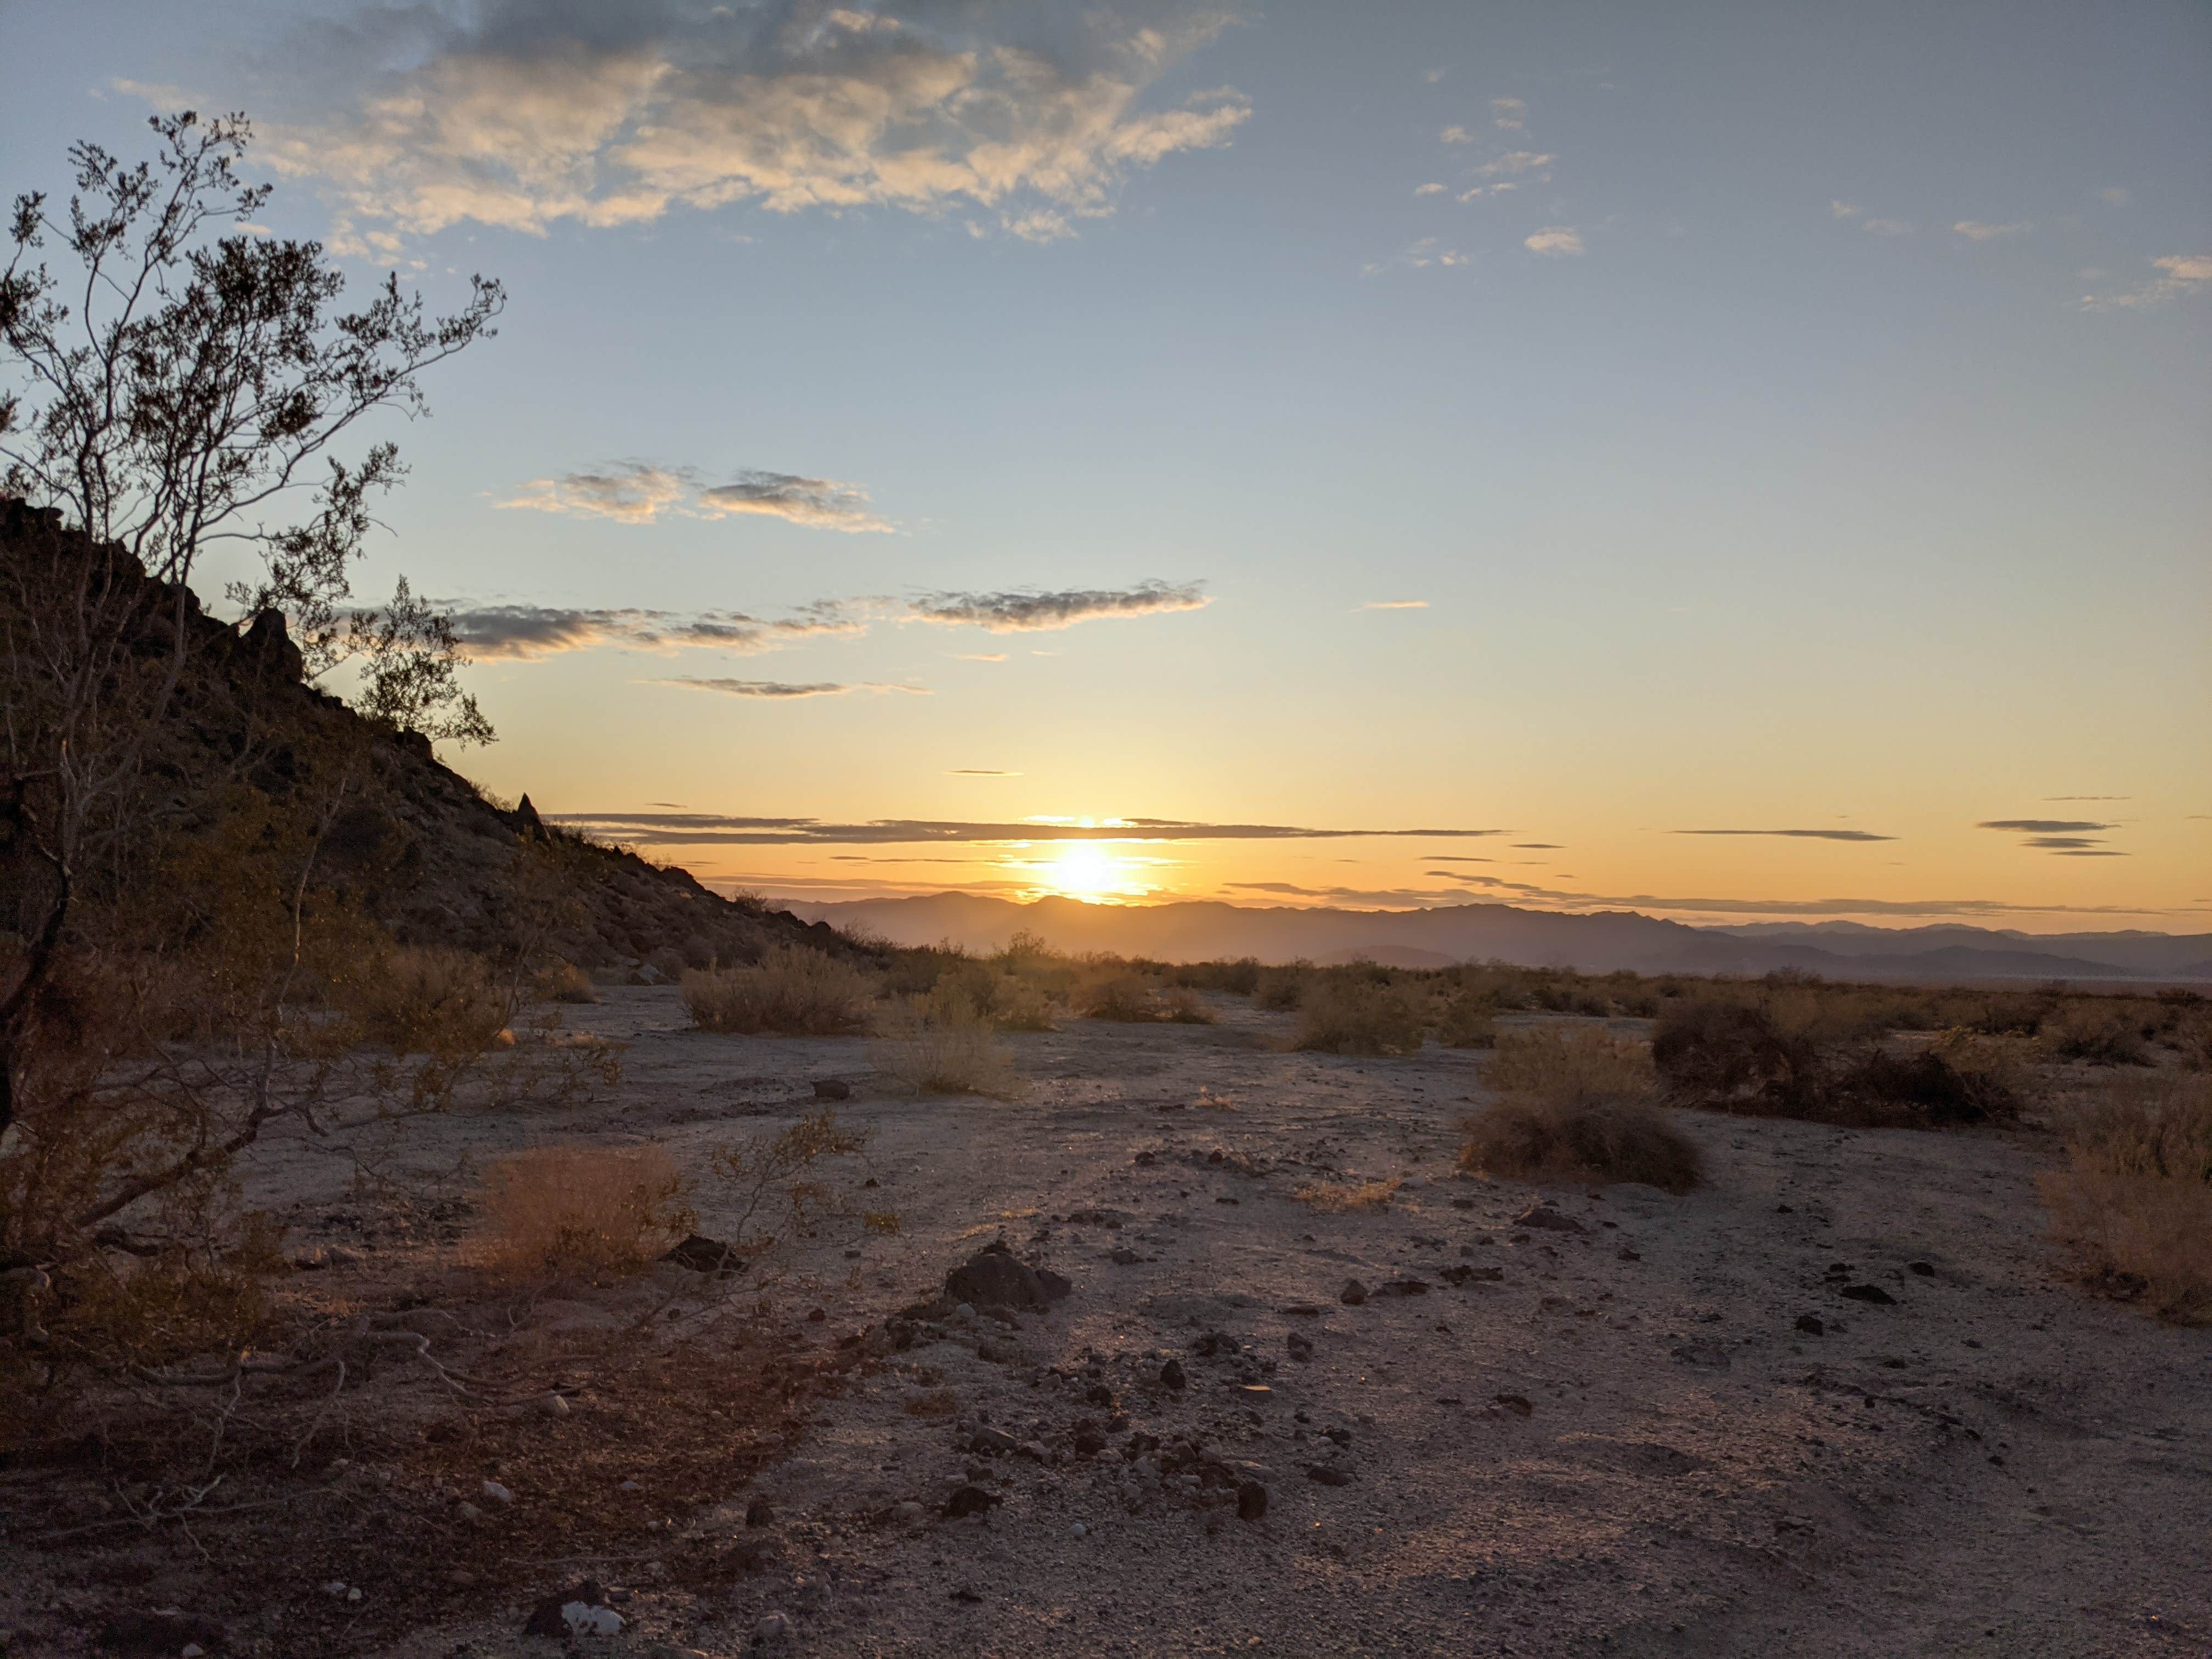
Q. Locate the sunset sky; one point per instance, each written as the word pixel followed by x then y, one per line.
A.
pixel 1739 461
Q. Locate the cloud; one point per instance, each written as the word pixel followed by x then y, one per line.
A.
pixel 1555 240
pixel 1508 114
pixel 1029 611
pixel 978 656
pixel 2114 195
pixel 1429 251
pixel 638 492
pixel 524 633
pixel 1428 189
pixel 1479 191
pixel 524 114
pixel 2061 843
pixel 2056 798
pixel 631 493
pixel 979 772
pixel 1975 231
pixel 2180 275
pixel 1537 846
pixel 818 503
pixel 1806 835
pixel 1513 162
pixel 2043 826
pixel 1846 209
pixel 1455 136
pixel 1396 605
pixel 1888 228
pixel 705 828
pixel 779 689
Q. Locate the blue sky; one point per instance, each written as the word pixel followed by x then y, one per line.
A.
pixel 1761 417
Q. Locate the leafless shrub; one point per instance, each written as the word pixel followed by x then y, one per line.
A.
pixel 792 991
pixel 564 981
pixel 1340 1015
pixel 2135 1200
pixel 1468 1021
pixel 1578 1105
pixel 426 999
pixel 941 1044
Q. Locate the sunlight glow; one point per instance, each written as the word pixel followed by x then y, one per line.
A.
pixel 1093 872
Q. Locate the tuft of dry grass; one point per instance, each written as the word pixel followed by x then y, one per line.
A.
pixel 430 1000
pixel 1339 1015
pixel 2135 1201
pixel 594 1212
pixel 564 981
pixel 1343 1198
pixel 1577 1106
pixel 790 991
pixel 943 1044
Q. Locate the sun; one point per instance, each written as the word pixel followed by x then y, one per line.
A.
pixel 1084 870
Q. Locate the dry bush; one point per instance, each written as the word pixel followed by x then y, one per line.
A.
pixel 1468 1021
pixel 1278 990
pixel 1121 996
pixel 2101 1031
pixel 564 981
pixel 594 1212
pixel 2135 1200
pixel 1578 1105
pixel 1342 1197
pixel 427 999
pixel 791 990
pixel 943 1044
pixel 1342 1015
pixel 1019 1005
pixel 1181 1005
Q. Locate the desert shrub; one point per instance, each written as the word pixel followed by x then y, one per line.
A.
pixel 426 999
pixel 668 961
pixel 1239 978
pixel 1018 1005
pixel 1180 1004
pixel 1578 1105
pixel 564 981
pixel 591 1212
pixel 2098 1032
pixel 1342 1015
pixel 1343 1198
pixel 2135 1200
pixel 1468 1021
pixel 790 991
pixel 943 1044
pixel 1121 996
pixel 1278 990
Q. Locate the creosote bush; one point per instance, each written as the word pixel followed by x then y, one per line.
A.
pixel 427 999
pixel 591 1212
pixel 1578 1105
pixel 790 991
pixel 1343 1015
pixel 943 1044
pixel 2134 1199
pixel 564 981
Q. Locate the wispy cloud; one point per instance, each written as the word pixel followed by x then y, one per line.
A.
pixel 2060 798
pixel 520 115
pixel 1803 834
pixel 639 492
pixel 2043 826
pixel 704 829
pixel 818 503
pixel 1846 209
pixel 2180 275
pixel 1418 256
pixel 1974 230
pixel 2061 837
pixel 1513 162
pixel 979 772
pixel 1509 113
pixel 2114 195
pixel 1430 189
pixel 1555 240
pixel 524 633
pixel 1019 612
pixel 978 656
pixel 1395 604
pixel 1537 847
pixel 780 689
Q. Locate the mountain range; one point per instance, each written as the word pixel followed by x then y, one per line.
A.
pixel 1600 942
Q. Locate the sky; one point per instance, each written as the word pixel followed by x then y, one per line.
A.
pixel 1735 461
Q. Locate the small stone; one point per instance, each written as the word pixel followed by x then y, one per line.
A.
pixel 1126 1257
pixel 1811 1324
pixel 1251 1501
pixel 1517 1404
pixel 1544 1218
pixel 1783 1209
pixel 497 1493
pixel 1171 1376
pixel 1873 1294
pixel 832 1088
pixel 1301 1346
pixel 553 1405
pixel 989 1442
pixel 336 1589
pixel 629 1486
pixel 468 1511
pixel 1627 1254
pixel 1328 1474
pixel 460 1578
pixel 1080 1530
pixel 1925 1269
pixel 191 1650
pixel 354 1594
pixel 772 1627
pixel 968 1500
pixel 817 1315
pixel 909 1512
pixel 1353 1294
pixel 1462 1204
pixel 759 1512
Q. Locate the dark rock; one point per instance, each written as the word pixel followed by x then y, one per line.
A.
pixel 1462 1204
pixel 706 1256
pixel 157 1635
pixel 1302 1311
pixel 1463 1274
pixel 545 1618
pixel 1517 1404
pixel 1301 1346
pixel 1542 1218
pixel 817 1315
pixel 832 1088
pixel 1925 1269
pixel 1146 1157
pixel 1869 1293
pixel 1626 1254
pixel 1099 1394
pixel 1328 1474
pixel 1213 1343
pixel 759 1512
pixel 1090 1443
pixel 968 1500
pixel 1811 1324
pixel 1251 1501
pixel 1172 1375
pixel 993 1278
pixel 1783 1209
pixel 1353 1294
pixel 1705 1352
pixel 963 1593
pixel 1126 1257
pixel 988 1442
pixel 1408 1286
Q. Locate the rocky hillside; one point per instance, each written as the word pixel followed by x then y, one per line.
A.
pixel 420 847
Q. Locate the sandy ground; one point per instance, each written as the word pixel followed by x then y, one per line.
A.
pixel 1614 1438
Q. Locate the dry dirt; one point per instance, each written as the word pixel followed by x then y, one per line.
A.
pixel 1609 1439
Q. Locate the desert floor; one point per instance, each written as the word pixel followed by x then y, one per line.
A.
pixel 1610 1436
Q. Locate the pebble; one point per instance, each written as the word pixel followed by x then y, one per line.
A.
pixel 909 1512
pixel 1080 1530
pixel 554 1405
pixel 773 1627
pixel 1172 1375
pixel 1251 1501
pixel 469 1512
pixel 1353 1294
pixel 1811 1324
pixel 629 1486
pixel 497 1493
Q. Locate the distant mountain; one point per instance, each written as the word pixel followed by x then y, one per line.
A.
pixel 1599 942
